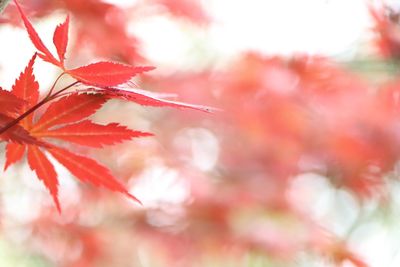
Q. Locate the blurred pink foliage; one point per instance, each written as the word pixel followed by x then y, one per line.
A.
pixel 281 117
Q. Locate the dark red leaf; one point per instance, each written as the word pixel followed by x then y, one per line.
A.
pixel 9 103
pixel 16 133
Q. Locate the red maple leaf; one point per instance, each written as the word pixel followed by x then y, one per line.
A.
pixel 15 103
pixel 104 75
pixel 9 103
pixel 63 120
pixel 99 74
pixel 67 118
pixel 60 39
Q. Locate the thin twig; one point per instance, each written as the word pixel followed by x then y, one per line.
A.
pixel 35 107
pixel 3 4
pixel 54 84
pixel 62 90
pixel 24 115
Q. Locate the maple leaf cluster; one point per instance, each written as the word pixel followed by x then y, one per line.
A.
pixel 67 118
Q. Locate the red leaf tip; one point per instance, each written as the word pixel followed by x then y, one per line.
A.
pixel 134 198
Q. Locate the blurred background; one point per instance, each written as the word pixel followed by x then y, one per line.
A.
pixel 299 168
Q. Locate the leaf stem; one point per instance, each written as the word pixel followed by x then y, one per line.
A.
pixel 48 98
pixel 54 84
pixel 23 116
pixel 56 94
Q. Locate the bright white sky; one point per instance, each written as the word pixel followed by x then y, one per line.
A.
pixel 287 26
pixel 331 27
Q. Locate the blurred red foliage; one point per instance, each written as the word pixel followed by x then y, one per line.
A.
pixel 281 117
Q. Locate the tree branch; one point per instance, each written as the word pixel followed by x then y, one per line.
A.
pixel 3 4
